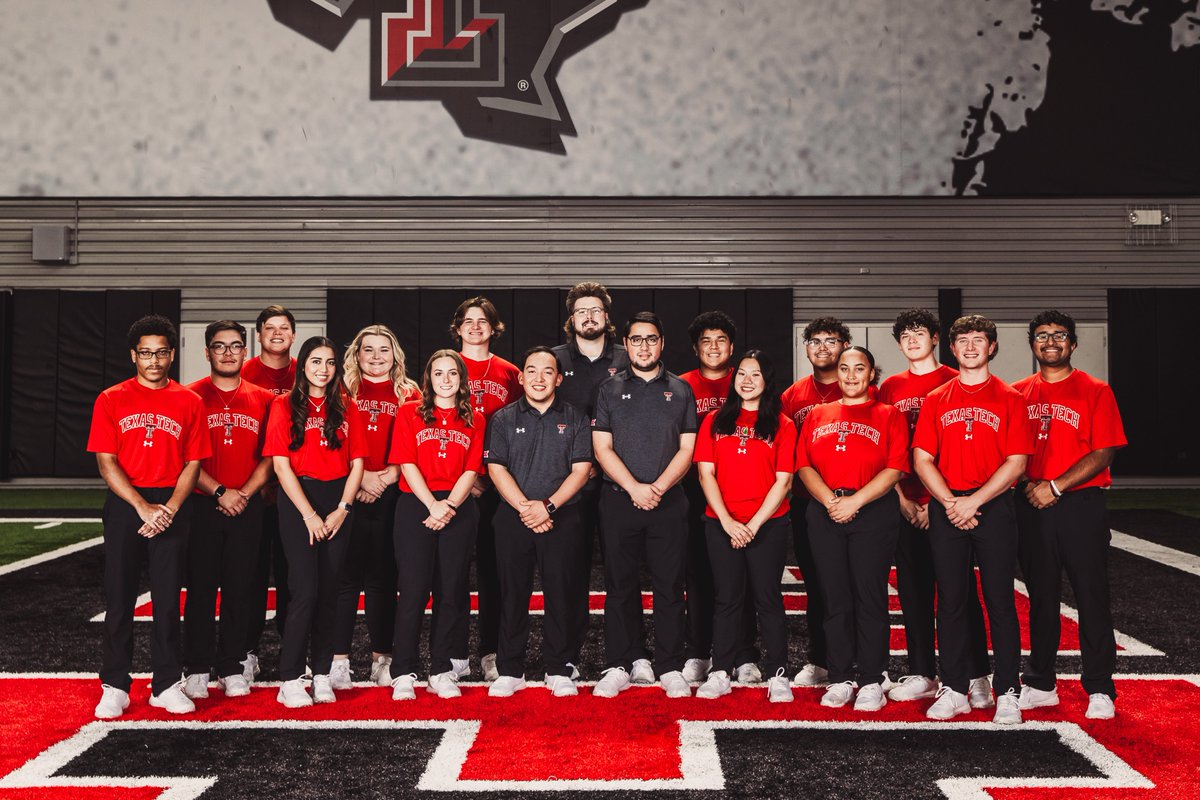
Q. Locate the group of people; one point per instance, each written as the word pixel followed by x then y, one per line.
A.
pixel 347 479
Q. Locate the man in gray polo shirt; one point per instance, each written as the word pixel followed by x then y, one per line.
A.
pixel 643 436
pixel 539 454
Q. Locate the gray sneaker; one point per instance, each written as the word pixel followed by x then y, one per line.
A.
pixel 979 693
pixel 695 670
pixel 674 684
pixel 381 671
pixel 488 665
pixel 748 673
pixel 250 667
pixel 234 686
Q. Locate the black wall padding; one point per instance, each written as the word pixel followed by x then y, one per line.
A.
pixel 6 331
pixel 677 308
pixel 346 311
pixel 626 303
pixel 437 310
pixel 122 309
pixel 167 302
pixel 35 381
pixel 80 373
pixel 400 310
pixel 949 309
pixel 537 319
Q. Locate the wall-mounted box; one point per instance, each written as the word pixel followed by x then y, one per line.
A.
pixel 52 243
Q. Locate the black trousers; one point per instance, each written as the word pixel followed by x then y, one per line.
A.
pixel 662 532
pixel 917 587
pixel 125 551
pixel 370 569
pixel 556 555
pixel 487 577
pixel 993 543
pixel 222 552
pixel 313 574
pixel 701 587
pixel 589 510
pixel 271 562
pixel 749 572
pixel 1072 534
pixel 854 559
pixel 436 563
pixel 815 614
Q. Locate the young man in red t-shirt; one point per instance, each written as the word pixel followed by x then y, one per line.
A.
pixel 916 331
pixel 493 383
pixel 1061 517
pixel 971 445
pixel 149 437
pixel 227 516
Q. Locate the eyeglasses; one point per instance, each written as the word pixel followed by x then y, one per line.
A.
pixel 830 342
pixel 584 313
pixel 154 355
pixel 651 341
pixel 220 347
pixel 1045 336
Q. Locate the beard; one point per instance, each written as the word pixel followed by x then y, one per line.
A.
pixel 651 367
pixel 590 335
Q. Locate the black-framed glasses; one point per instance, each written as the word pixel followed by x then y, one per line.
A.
pixel 652 340
pixel 832 341
pixel 219 348
pixel 1045 336
pixel 151 355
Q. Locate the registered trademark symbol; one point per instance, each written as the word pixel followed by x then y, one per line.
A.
pixel 523 85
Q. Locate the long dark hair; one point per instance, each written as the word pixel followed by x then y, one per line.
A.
pixel 769 405
pixel 335 409
pixel 462 399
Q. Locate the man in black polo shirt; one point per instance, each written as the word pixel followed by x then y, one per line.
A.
pixel 539 454
pixel 643 436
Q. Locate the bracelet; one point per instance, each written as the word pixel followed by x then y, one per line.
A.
pixel 1055 490
pixel 310 516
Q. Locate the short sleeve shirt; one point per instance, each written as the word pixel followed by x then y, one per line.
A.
pixel 907 391
pixel 582 376
pixel 710 394
pixel 442 450
pixel 493 384
pixel 849 445
pixel 745 464
pixel 316 458
pixel 539 449
pixel 276 381
pixel 237 429
pixel 645 419
pixel 376 406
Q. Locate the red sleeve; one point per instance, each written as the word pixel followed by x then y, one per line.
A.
pixel 359 447
pixel 279 429
pixel 802 439
pixel 785 446
pixel 103 436
pixel 704 441
pixel 897 433
pixel 198 445
pixel 926 435
pixel 475 451
pixel 1107 429
pixel 404 439
pixel 1020 428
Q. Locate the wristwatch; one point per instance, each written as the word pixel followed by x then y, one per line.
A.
pixel 550 507
pixel 347 507
pixel 219 491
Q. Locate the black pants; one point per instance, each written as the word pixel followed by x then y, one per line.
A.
pixel 313 573
pixel 125 550
pixel 994 546
pixel 917 587
pixel 436 563
pixel 749 572
pixel 854 559
pixel 663 533
pixel 487 578
pixel 370 568
pixel 271 561
pixel 1072 534
pixel 556 555
pixel 815 614
pixel 222 552
pixel 589 510
pixel 702 591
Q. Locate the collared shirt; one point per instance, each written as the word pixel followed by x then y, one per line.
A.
pixel 645 419
pixel 582 376
pixel 539 449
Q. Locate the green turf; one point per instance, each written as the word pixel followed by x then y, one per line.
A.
pixel 42 499
pixel 20 540
pixel 1181 501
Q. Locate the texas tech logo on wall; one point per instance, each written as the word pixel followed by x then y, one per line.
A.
pixel 492 63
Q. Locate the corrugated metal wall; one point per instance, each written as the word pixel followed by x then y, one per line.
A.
pixel 861 259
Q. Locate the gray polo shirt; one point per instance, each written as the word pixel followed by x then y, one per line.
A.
pixel 539 449
pixel 645 419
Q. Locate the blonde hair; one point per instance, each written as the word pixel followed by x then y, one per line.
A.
pixel 401 383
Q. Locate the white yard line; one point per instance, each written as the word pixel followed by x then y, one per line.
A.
pixel 53 554
pixel 1161 554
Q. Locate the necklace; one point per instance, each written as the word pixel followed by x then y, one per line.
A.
pixel 318 407
pixel 823 396
pixel 232 397
pixel 977 389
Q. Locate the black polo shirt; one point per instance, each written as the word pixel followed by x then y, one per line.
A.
pixel 645 419
pixel 582 376
pixel 539 449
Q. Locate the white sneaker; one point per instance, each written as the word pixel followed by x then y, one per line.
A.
pixel 642 673
pixel 716 686
pixel 888 684
pixel 561 686
pixel 196 686
pixel 779 688
pixel 506 686
pixel 250 667
pixel 340 676
pixel 1100 706
pixel 1037 698
pixel 949 704
pixel 914 687
pixel 695 670
pixel 812 675
pixel 488 665
pixel 674 685
pixel 461 666
pixel 613 681
pixel 381 671
pixel 870 698
pixel 293 694
pixel 173 700
pixel 748 673
pixel 323 689
pixel 838 694
pixel 445 685
pixel 113 702
pixel 402 687
pixel 234 685
pixel 1008 709
pixel 979 693
pixel 574 671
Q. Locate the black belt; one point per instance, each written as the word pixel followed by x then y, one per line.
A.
pixel 843 492
pixel 963 492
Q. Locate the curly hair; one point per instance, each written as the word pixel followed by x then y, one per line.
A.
pixel 828 324
pixel 712 321
pixel 153 325
pixel 915 319
pixel 1053 317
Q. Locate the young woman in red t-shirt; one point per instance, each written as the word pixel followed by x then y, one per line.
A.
pixel 851 454
pixel 318 452
pixel 745 454
pixel 376 385
pixel 438 445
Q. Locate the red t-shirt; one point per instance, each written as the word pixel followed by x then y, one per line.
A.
pixel 493 384
pixel 1071 418
pixel 314 459
pixel 849 445
pixel 970 431
pixel 237 428
pixel 906 391
pixel 276 381
pixel 745 464
pixel 710 394
pixel 442 451
pixel 376 406
pixel 806 394
pixel 152 432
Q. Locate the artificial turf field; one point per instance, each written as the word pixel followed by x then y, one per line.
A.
pixel 367 746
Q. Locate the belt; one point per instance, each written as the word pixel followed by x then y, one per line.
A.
pixel 963 492
pixel 617 489
pixel 843 492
